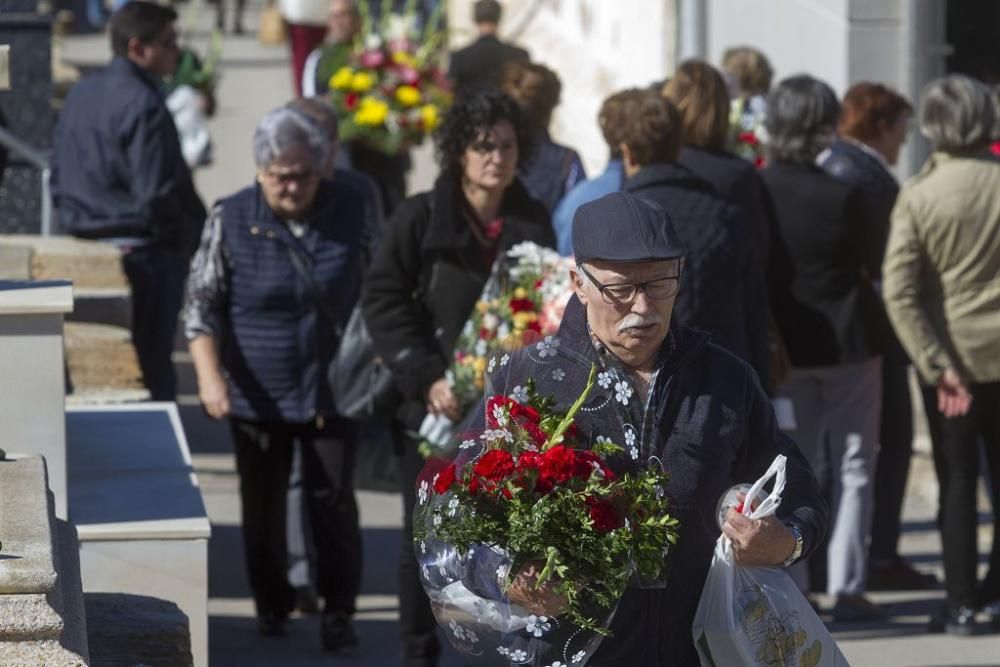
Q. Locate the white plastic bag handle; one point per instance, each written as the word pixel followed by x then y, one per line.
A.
pixel 769 505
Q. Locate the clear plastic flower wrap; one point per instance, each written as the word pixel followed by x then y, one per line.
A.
pixel 531 524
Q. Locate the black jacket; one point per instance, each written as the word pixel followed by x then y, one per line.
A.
pixel 847 162
pixel 478 65
pixel 824 256
pixel 118 170
pixel 722 284
pixel 737 181
pixel 426 278
pixel 711 424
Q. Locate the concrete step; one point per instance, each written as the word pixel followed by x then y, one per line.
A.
pixel 101 358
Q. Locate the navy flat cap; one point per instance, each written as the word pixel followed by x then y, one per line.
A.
pixel 621 227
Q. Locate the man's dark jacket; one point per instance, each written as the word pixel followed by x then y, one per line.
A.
pixel 478 65
pixel 426 278
pixel 737 181
pixel 711 424
pixel 723 291
pixel 848 162
pixel 824 256
pixel 118 170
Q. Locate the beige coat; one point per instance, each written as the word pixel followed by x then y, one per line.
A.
pixel 942 267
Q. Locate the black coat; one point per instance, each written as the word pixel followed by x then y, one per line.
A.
pixel 712 427
pixel 824 256
pixel 426 278
pixel 847 162
pixel 737 181
pixel 478 65
pixel 722 284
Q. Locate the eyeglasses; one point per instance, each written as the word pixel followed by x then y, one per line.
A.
pixel 657 289
pixel 285 178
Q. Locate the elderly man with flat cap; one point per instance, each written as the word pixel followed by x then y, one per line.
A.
pixel 679 399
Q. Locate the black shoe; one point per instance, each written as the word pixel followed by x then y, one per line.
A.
pixel 272 625
pixel 992 612
pixel 306 600
pixel 960 622
pixel 337 632
pixel 899 575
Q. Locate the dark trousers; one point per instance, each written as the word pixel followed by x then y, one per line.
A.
pixel 264 460
pixel 956 459
pixel 895 451
pixel 156 276
pixel 416 620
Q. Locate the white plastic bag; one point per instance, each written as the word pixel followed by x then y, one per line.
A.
pixel 192 128
pixel 757 615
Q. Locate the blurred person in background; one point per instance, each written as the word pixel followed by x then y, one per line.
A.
pixel 478 65
pixel 553 169
pixel 277 274
pixel 748 75
pixel 609 181
pixel 699 92
pixel 307 24
pixel 430 270
pixel 825 256
pixel 871 131
pixel 220 15
pixel 342 29
pixel 722 286
pixel 942 290
pixel 119 176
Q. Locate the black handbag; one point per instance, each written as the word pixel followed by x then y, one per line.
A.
pixel 361 384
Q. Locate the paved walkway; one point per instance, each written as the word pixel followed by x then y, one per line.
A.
pixel 256 79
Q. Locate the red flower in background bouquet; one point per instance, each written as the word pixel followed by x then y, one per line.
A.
pixel 394 91
pixel 535 494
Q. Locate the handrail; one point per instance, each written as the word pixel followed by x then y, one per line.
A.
pixel 37 160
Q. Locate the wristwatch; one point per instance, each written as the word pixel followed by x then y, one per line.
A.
pixel 797 551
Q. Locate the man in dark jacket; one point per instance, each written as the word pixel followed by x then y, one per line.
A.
pixel 478 65
pixel 119 176
pixel 677 398
pixel 724 291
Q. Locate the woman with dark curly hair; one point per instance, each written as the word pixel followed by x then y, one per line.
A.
pixel 433 263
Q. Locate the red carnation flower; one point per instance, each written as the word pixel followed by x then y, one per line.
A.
pixel 522 305
pixel 537 435
pixel 495 465
pixel 485 333
pixel 529 461
pixel 519 411
pixel 444 480
pixel 351 101
pixel 748 138
pixel 604 516
pixel 558 464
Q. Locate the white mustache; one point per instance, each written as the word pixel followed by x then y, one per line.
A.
pixel 632 320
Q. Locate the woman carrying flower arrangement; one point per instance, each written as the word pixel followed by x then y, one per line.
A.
pixel 425 280
pixel 666 396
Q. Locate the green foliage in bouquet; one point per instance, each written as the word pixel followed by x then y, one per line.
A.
pixel 394 91
pixel 534 493
pixel 201 73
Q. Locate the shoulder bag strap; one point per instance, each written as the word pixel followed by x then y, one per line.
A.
pixel 301 266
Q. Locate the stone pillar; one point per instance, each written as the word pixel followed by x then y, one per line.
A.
pixel 32 397
pixel 41 598
pixel 27 107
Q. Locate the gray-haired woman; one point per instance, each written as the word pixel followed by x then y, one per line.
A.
pixel 824 258
pixel 942 291
pixel 261 334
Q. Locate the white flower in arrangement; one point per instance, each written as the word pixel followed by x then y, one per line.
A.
pixel 453 507
pixel 578 656
pixel 623 392
pixel 604 379
pixel 517 655
pixel 538 625
pixel 373 42
pixel 548 347
pixel 520 394
pixel 503 331
pixel 467 330
pixel 481 348
pixel 490 435
pixel 467 443
pixel 424 492
pixel 490 321
pixel 492 365
pixel 504 360
pixel 500 416
pixel 602 440
pixel 558 375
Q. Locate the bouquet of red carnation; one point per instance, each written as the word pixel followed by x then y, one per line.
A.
pixel 531 494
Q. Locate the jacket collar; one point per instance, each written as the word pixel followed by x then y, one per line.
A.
pixel 124 66
pixel 939 158
pixel 670 174
pixel 448 228
pixel 863 153
pixel 680 347
pixel 324 208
